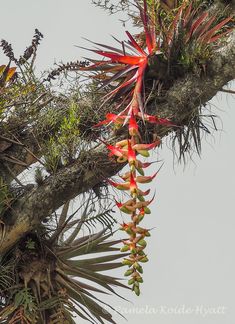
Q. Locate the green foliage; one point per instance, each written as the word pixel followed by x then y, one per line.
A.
pixel 62 148
pixel 38 176
pixel 68 137
pixel 52 156
pixel 6 277
pixel 105 218
pixel 23 308
pixel 30 244
pixel 195 57
pixel 25 298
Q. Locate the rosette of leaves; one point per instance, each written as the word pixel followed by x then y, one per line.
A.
pixel 49 276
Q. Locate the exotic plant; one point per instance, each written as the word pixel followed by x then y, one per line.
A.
pixel 126 150
pixel 47 258
pixel 42 281
pixel 125 74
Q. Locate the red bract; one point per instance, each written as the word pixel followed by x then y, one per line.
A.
pixel 133 186
pixel 131 155
pixel 120 186
pixel 145 179
pixel 155 120
pixel 111 118
pixel 116 151
pixel 133 126
pixel 143 165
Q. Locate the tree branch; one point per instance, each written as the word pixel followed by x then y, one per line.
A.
pixel 93 166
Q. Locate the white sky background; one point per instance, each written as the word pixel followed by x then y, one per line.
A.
pixel 192 248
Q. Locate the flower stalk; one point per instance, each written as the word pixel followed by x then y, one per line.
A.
pixel 125 72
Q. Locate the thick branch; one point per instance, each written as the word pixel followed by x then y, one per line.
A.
pixel 94 166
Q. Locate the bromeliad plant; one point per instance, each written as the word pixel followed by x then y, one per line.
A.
pixel 46 278
pixel 124 73
pixel 132 69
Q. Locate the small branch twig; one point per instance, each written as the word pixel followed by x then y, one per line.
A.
pixel 228 91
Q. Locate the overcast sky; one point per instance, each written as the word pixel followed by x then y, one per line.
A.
pixel 191 251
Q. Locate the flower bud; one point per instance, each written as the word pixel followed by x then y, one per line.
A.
pixel 125 248
pixel 127 262
pixel 128 272
pixel 138 267
pixel 133 251
pixel 140 218
pixel 147 210
pixel 131 281
pixel 142 243
pixel 144 153
pixel 141 171
pixel 144 259
pixel 140 279
pixel 137 290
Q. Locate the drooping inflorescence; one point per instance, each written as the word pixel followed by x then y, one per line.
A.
pixel 129 149
pixel 124 72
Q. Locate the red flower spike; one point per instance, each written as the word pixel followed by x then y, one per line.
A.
pixel 127 71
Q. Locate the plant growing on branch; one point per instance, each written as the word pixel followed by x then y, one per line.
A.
pixel 187 25
pixel 74 137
